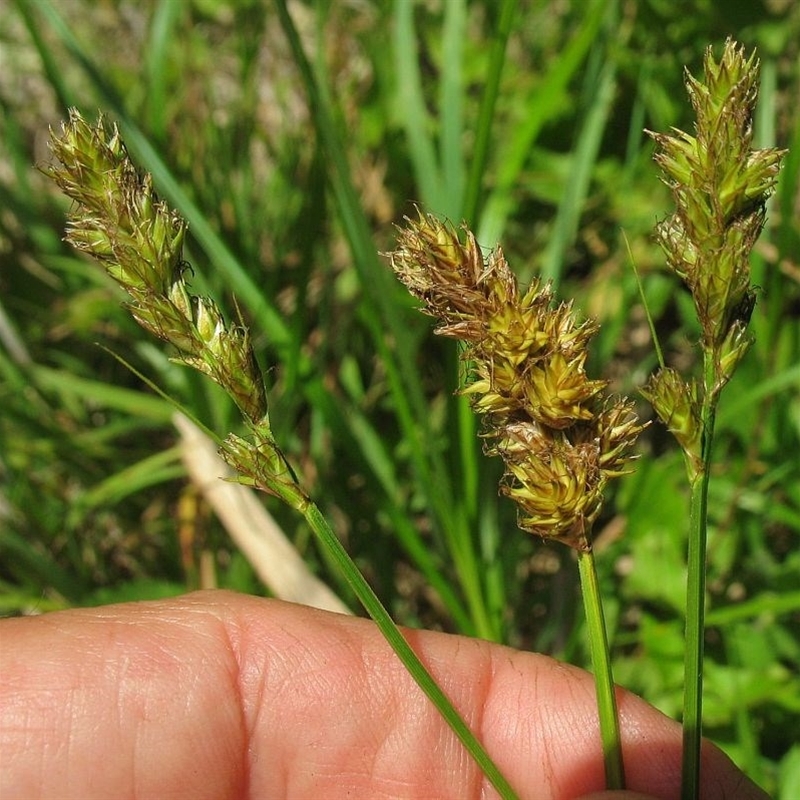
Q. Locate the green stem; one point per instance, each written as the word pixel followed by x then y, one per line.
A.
pixel 480 154
pixel 603 679
pixel 696 597
pixel 401 647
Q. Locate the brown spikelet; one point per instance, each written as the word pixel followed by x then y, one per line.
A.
pixel 559 438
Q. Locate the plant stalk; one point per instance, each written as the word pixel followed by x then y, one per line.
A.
pixel 603 679
pixel 401 647
pixel 696 596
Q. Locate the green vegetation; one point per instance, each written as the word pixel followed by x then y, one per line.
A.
pixel 291 150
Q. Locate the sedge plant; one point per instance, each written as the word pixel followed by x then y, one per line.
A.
pixel 119 220
pixel 559 434
pixel 561 439
pixel 720 186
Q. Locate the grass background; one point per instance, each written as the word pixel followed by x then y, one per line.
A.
pixel 292 144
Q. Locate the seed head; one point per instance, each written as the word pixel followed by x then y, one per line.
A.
pixel 720 186
pixel 559 439
pixel 119 220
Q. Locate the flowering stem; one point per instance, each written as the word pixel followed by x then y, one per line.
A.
pixel 601 664
pixel 118 218
pixel 720 186
pixel 560 439
pixel 402 649
pixel 696 595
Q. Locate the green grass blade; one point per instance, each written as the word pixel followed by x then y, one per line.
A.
pixel 480 155
pixel 40 566
pixel 442 193
pixel 150 471
pixel 766 604
pixel 547 100
pixel 413 111
pixel 162 37
pixel 451 100
pixel 102 394
pixel 381 314
pixel 52 69
pixel 579 177
pixel 383 468
pixel 241 284
pixel 492 548
pixel 786 380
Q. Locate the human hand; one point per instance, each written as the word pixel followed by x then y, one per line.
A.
pixel 224 696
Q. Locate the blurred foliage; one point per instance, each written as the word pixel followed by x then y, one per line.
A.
pixel 93 496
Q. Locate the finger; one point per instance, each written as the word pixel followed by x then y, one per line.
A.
pixel 217 695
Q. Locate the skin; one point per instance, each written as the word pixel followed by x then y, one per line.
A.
pixel 223 696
